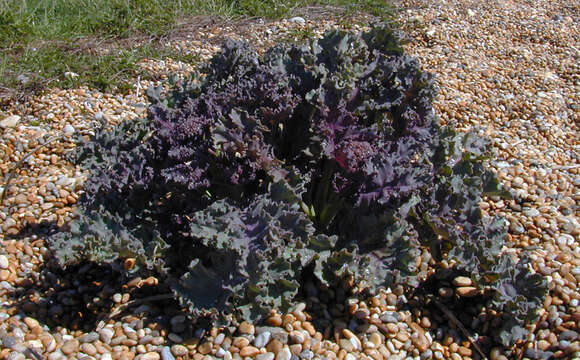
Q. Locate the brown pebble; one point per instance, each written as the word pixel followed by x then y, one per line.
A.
pixel 376 339
pixel 296 349
pixel 274 346
pixel 249 351
pixel 464 351
pixel 240 342
pixel 543 345
pixel 392 328
pixel 4 274
pixel 420 342
pixel 402 336
pixel 149 356
pixel 274 320
pixel 309 328
pixel 462 281
pixel 246 328
pixel 179 350
pixel 70 346
pixel 89 349
pixel 445 292
pixel 204 348
pixel 31 322
pixel 391 299
pixel 467 291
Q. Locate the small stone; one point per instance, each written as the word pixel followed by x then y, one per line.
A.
pixel 284 354
pixel 149 356
pixel 89 349
pixel 297 20
pixel 265 356
pixel 106 335
pixel 543 345
pixel 464 351
pixel 296 337
pixel 68 129
pixel 204 348
pixel 274 346
pixel 219 339
pixel 179 350
pixel 534 354
pixel 249 351
pixel 4 263
pixel 166 353
pixel 89 337
pixel 10 121
pixel 392 328
pixel 467 291
pixel 376 339
pixel 246 328
pixel 462 281
pixel 70 346
pixel 391 299
pixel 241 342
pixel 389 318
pixel 568 335
pixel 262 339
pixel 274 320
pixel 346 345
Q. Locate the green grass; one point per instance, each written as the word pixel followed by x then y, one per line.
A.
pixel 38 37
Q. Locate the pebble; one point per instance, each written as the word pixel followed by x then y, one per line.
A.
pixel 4 263
pixel 298 19
pixel 249 351
pixel 10 121
pixel 262 339
pixel 149 356
pixel 265 356
pixel 68 129
pixel 284 354
pixel 106 335
pixel 70 346
pixel 179 350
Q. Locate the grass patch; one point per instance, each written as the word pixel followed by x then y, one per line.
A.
pixel 37 36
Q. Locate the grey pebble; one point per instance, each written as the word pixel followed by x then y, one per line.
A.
pixel 427 354
pixel 265 356
pixel 569 335
pixel 389 317
pixel 89 338
pixel 9 341
pixel 307 355
pixel 534 354
pixel 166 353
pixel 262 339
pixel 564 344
pixel 106 335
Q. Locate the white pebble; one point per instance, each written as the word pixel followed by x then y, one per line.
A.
pixel 298 20
pixel 68 129
pixel 10 121
pixel 4 262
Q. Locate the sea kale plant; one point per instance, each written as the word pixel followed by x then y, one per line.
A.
pixel 324 158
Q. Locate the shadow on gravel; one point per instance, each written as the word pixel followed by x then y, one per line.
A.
pixel 82 297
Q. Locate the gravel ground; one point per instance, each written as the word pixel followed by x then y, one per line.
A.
pixel 507 68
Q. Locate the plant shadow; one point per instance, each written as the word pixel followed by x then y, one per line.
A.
pixel 88 296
